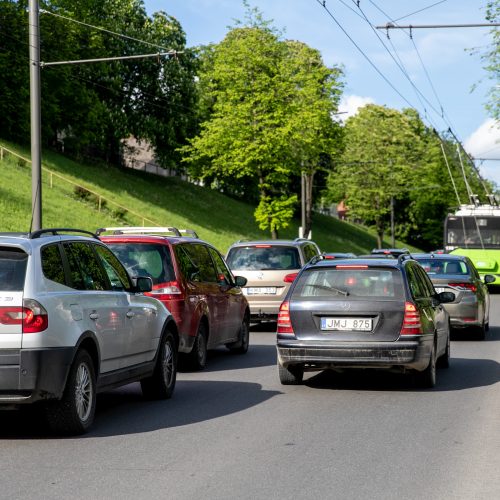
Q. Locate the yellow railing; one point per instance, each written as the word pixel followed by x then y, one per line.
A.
pixel 100 198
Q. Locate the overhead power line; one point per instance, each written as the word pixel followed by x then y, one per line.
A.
pixel 420 10
pixel 106 59
pixel 121 35
pixel 392 26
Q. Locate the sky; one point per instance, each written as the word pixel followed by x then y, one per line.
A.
pixel 437 71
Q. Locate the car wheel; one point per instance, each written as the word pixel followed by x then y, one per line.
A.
pixel 292 375
pixel 74 412
pixel 480 332
pixel 444 360
pixel 197 358
pixel 241 346
pixel 427 378
pixel 162 383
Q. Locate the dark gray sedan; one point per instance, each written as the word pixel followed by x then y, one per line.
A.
pixel 457 274
pixel 363 313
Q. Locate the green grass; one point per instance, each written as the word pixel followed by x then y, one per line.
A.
pixel 166 201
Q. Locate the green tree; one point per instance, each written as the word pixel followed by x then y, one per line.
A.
pixel 270 117
pixel 492 59
pixel 382 146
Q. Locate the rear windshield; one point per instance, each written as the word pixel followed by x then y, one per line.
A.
pixel 12 269
pixel 443 267
pixel 146 259
pixel 263 258
pixel 337 284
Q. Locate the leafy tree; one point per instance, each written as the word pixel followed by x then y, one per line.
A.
pixel 381 148
pixel 492 59
pixel 270 105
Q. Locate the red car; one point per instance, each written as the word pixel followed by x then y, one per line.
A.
pixel 192 279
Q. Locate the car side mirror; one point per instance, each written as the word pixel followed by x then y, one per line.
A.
pixel 240 280
pixel 143 284
pixel 446 297
pixel 489 278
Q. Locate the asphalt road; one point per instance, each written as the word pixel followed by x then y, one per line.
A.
pixel 233 432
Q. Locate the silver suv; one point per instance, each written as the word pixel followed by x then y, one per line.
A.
pixel 74 323
pixel 270 267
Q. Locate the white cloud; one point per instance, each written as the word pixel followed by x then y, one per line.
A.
pixel 485 141
pixel 350 104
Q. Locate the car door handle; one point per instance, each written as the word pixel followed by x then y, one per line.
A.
pixel 93 315
pixel 130 314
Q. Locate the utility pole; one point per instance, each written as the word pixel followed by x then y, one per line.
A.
pixel 303 204
pixel 35 115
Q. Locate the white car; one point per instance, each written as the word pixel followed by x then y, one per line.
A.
pixel 73 323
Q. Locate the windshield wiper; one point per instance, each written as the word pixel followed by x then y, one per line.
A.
pixel 332 289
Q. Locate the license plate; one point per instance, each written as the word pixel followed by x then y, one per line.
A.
pixel 349 324
pixel 439 289
pixel 261 290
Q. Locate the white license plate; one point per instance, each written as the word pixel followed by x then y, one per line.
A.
pixel 439 289
pixel 261 290
pixel 349 324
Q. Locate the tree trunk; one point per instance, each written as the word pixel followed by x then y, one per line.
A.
pixel 308 179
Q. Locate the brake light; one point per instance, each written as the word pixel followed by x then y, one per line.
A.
pixel 464 286
pixel 166 291
pixel 289 278
pixel 284 322
pixel 262 246
pixel 411 321
pixel 32 316
pixel 352 266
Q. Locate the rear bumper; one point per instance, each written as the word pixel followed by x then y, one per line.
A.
pixel 465 313
pixel 28 375
pixel 409 354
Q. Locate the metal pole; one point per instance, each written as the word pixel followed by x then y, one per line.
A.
pixel 393 237
pixel 35 104
pixel 303 204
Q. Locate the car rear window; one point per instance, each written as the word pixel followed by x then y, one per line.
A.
pixel 13 263
pixel 444 266
pixel 263 258
pixel 146 259
pixel 337 284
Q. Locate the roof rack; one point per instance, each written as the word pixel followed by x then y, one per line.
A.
pixel 139 230
pixel 317 258
pixel 58 231
pixel 404 256
pixel 188 232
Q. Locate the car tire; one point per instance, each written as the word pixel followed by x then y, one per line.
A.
pixel 241 346
pixel 196 360
pixel 162 383
pixel 427 378
pixel 444 359
pixel 291 375
pixel 480 332
pixel 74 412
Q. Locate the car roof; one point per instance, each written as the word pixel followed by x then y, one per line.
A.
pixel 296 242
pixel 438 256
pixel 149 238
pixel 392 263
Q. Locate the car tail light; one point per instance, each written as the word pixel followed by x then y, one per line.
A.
pixel 411 320
pixel 464 286
pixel 352 266
pixel 166 291
pixel 32 316
pixel 284 322
pixel 289 278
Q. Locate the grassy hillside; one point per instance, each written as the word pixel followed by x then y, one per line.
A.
pixel 164 201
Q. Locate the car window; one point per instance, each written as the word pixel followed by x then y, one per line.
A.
pixel 86 271
pixel 309 251
pixel 52 263
pixel 337 284
pixel 473 269
pixel 444 266
pixel 117 274
pixel 263 258
pixel 13 263
pixel 196 262
pixel 414 282
pixel 146 259
pixel 426 284
pixel 221 266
